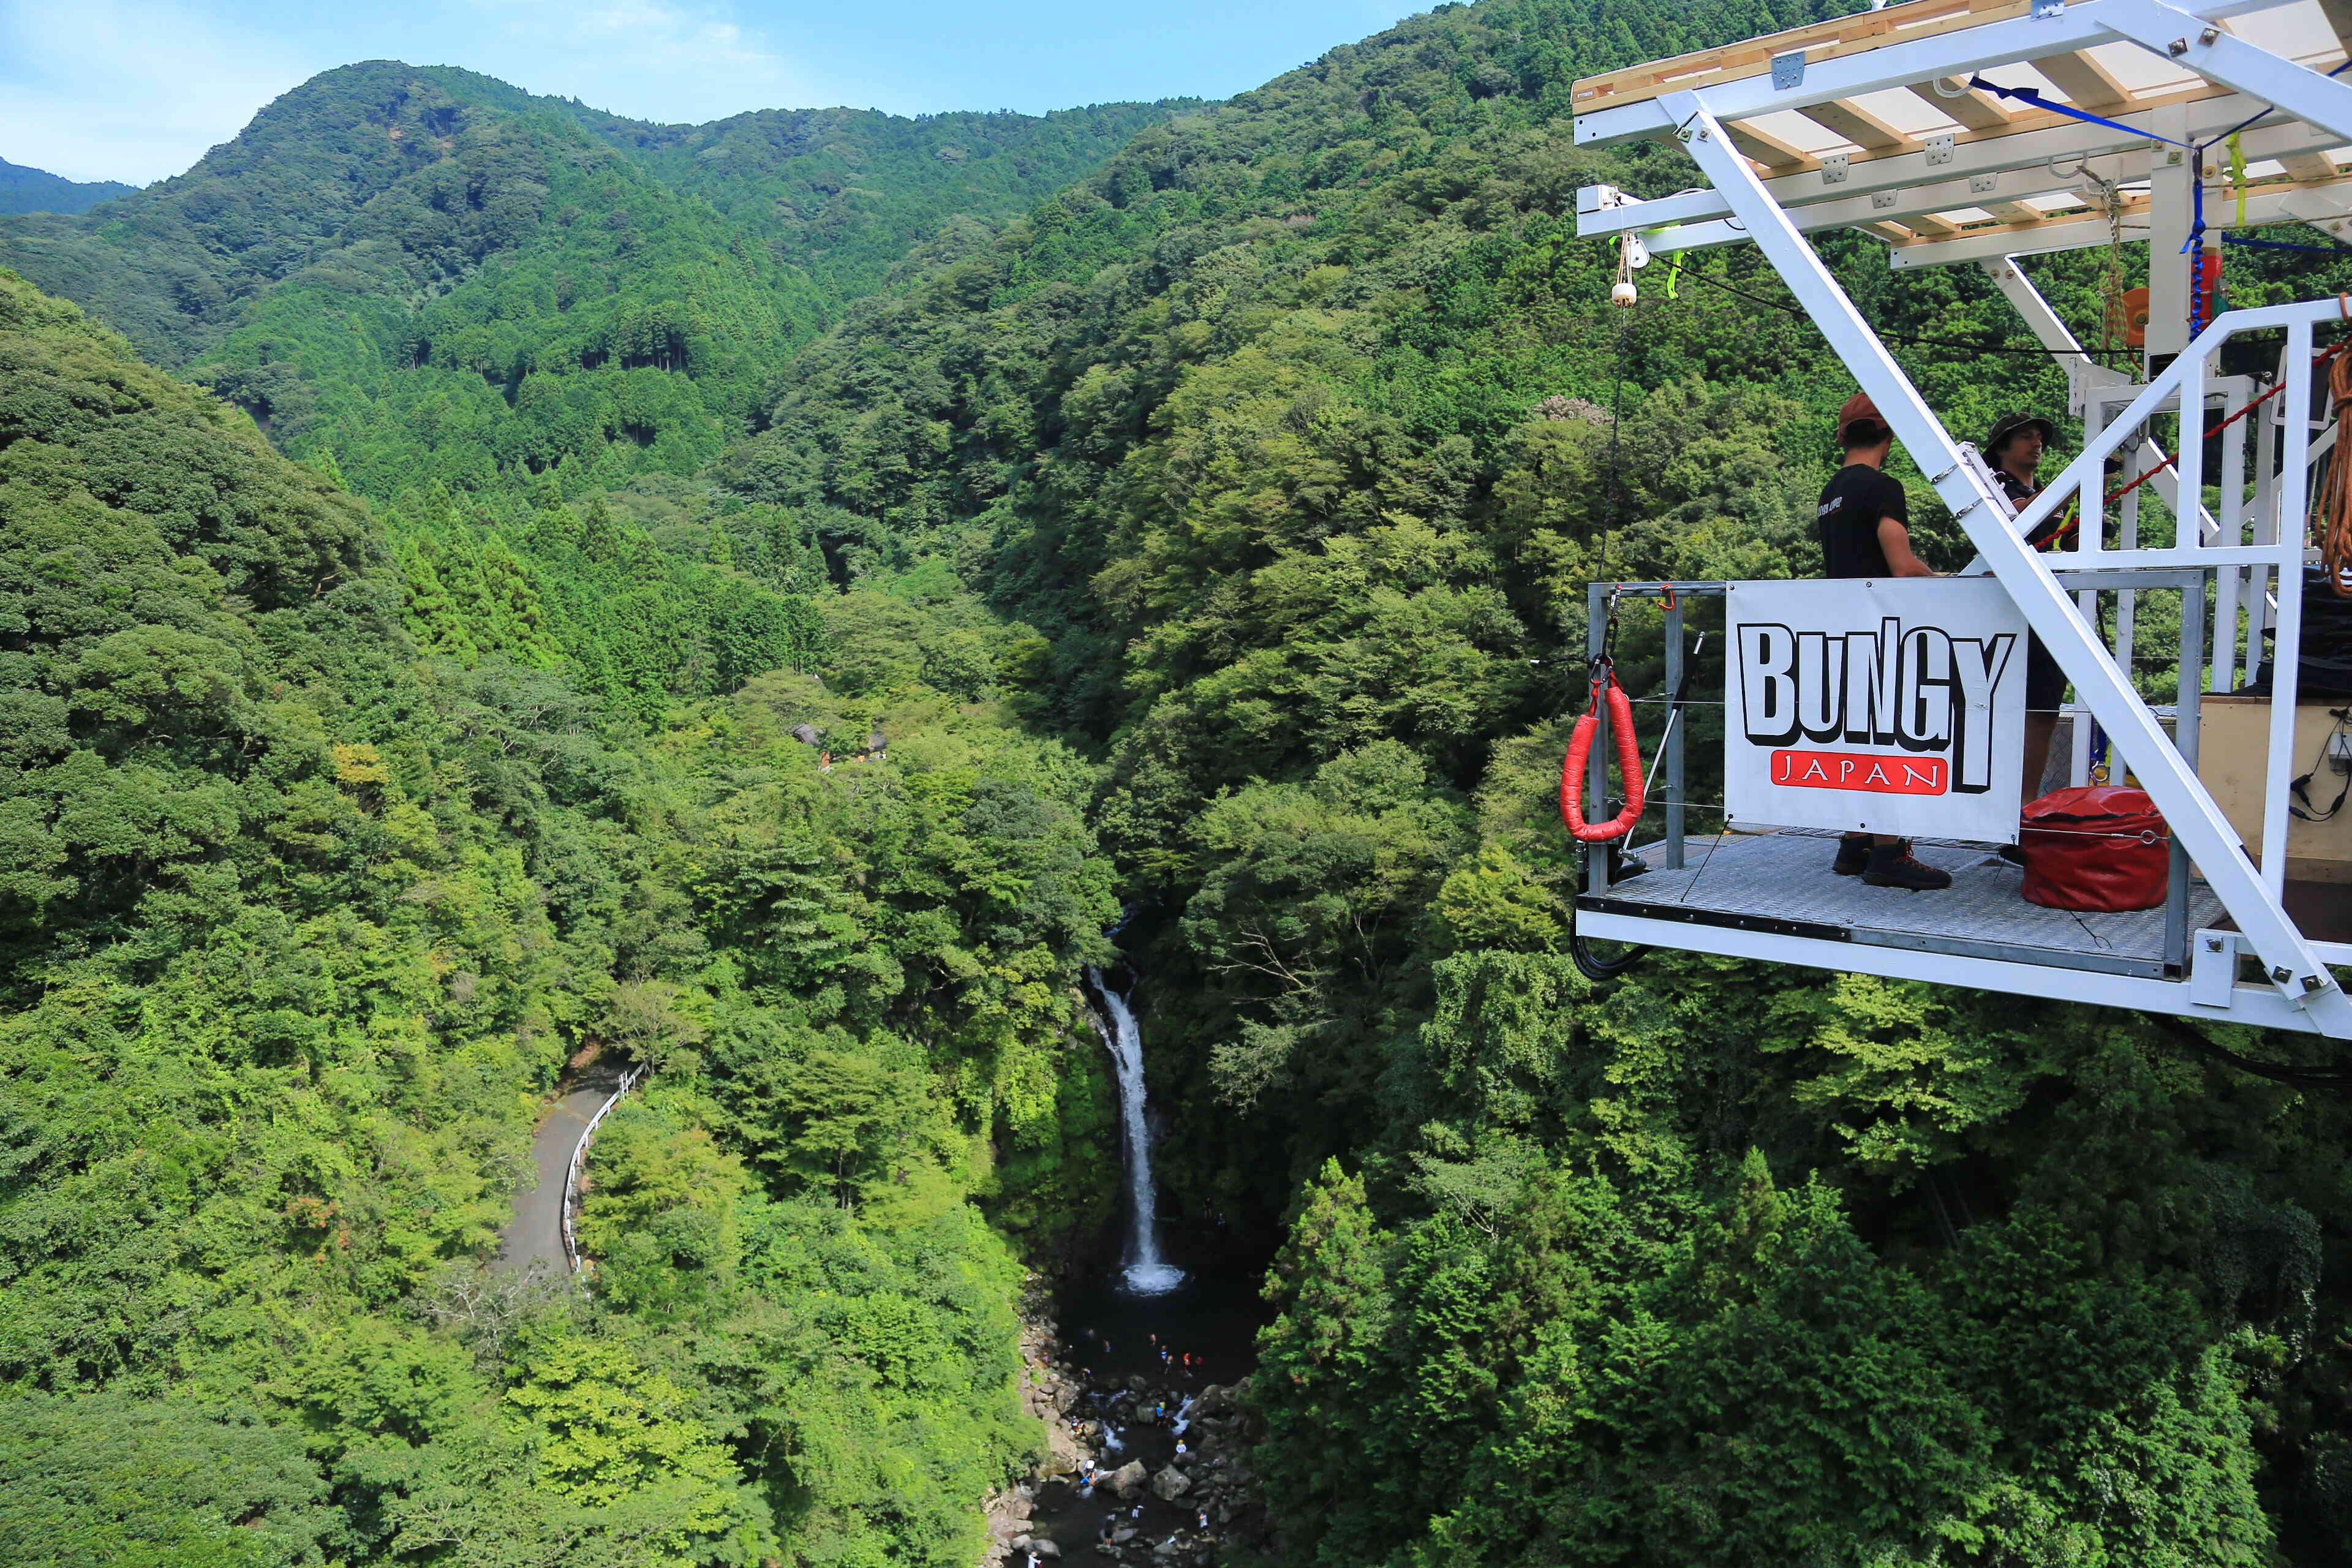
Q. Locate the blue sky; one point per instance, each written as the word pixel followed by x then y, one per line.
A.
pixel 137 89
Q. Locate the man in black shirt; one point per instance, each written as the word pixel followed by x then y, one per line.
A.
pixel 1864 521
pixel 2014 447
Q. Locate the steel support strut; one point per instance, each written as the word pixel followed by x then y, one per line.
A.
pixel 2294 969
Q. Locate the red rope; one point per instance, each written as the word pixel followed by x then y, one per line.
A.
pixel 1580 752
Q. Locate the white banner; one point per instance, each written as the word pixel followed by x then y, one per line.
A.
pixel 1892 705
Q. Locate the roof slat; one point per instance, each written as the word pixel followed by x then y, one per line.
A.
pixel 1972 109
pixel 1777 157
pixel 1844 116
pixel 2086 83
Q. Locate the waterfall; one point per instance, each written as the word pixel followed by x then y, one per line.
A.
pixel 1145 1274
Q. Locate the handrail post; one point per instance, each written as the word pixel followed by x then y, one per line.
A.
pixel 1674 790
pixel 2286 643
pixel 2185 716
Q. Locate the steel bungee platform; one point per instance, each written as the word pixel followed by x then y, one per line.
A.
pixel 1780 883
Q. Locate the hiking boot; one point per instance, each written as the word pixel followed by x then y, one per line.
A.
pixel 1891 865
pixel 1852 856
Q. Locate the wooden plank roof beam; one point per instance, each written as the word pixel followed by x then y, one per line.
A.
pixel 1959 102
pixel 1844 118
pixel 2086 83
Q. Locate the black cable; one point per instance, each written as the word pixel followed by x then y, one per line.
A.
pixel 1798 312
pixel 2336 1079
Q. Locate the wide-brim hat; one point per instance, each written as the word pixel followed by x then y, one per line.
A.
pixel 2008 425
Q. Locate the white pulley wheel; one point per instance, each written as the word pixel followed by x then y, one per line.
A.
pixel 1623 294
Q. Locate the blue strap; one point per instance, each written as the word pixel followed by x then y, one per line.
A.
pixel 2033 95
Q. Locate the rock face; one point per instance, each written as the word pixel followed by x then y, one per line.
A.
pixel 1171 1484
pixel 1128 1479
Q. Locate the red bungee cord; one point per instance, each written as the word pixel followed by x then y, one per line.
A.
pixel 1580 752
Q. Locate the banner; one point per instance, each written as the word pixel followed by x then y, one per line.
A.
pixel 1891 705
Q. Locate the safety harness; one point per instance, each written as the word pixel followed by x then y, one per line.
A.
pixel 1605 692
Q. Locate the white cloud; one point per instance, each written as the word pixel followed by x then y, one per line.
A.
pixel 105 89
pixel 679 61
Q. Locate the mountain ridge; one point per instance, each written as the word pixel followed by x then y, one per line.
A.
pixel 24 189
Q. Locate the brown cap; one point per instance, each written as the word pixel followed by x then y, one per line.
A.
pixel 1857 408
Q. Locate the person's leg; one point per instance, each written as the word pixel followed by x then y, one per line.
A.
pixel 2046 690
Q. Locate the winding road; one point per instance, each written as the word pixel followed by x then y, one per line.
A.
pixel 536 1233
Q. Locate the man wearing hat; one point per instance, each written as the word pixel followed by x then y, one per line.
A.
pixel 2014 447
pixel 1864 520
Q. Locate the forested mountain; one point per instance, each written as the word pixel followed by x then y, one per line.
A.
pixel 301 918
pixel 1296 433
pixel 24 190
pixel 1209 542
pixel 472 305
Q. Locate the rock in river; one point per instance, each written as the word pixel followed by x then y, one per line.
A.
pixel 1128 1479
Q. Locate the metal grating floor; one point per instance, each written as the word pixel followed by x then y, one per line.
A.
pixel 1782 882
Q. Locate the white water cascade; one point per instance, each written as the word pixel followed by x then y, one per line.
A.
pixel 1145 1274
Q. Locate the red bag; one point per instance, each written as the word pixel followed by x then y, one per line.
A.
pixel 2100 849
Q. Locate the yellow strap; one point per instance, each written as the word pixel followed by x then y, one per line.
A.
pixel 2238 174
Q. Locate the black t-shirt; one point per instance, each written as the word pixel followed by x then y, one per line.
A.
pixel 1852 504
pixel 2021 494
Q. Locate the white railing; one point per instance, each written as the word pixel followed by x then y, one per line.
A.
pixel 2260 579
pixel 580 1161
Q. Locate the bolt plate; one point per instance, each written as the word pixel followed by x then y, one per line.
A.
pixel 1788 70
pixel 1939 149
pixel 1834 166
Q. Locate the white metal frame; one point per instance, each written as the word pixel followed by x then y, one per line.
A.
pixel 2299 990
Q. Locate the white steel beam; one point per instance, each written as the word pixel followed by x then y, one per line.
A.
pixel 2325 203
pixel 2068 145
pixel 2324 206
pixel 2260 1006
pixel 2081 26
pixel 1984 514
pixel 2180 34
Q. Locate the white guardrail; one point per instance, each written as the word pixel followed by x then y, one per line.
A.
pixel 580 1161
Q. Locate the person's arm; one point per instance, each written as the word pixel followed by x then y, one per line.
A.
pixel 1895 538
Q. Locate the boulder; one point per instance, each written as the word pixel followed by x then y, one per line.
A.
pixel 1044 1547
pixel 1062 1451
pixel 1215 1400
pixel 1123 1534
pixel 806 734
pixel 1134 1382
pixel 1128 1479
pixel 1171 1484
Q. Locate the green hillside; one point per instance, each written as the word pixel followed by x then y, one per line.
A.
pixel 472 305
pixel 1291 433
pixel 302 918
pixel 1200 499
pixel 24 190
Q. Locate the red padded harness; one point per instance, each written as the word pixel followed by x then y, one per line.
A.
pixel 1580 752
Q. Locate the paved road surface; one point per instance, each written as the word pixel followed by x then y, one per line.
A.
pixel 537 1234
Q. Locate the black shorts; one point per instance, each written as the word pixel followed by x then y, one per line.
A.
pixel 2045 683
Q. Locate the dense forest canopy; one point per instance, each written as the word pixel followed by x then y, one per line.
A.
pixel 1197 500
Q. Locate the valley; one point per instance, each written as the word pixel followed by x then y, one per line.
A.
pixel 1016 666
